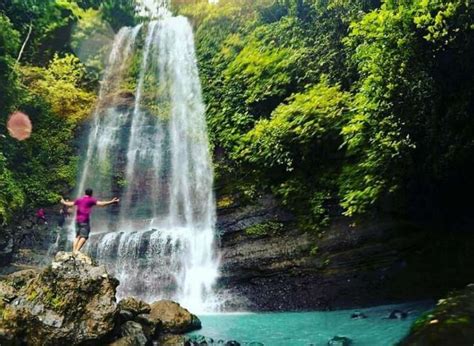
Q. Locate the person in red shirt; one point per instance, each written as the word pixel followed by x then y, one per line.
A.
pixel 41 216
pixel 84 207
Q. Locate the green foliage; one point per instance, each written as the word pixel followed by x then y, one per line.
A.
pixel 11 196
pixel 49 23
pixel 118 12
pixel 274 109
pixel 299 130
pixel 9 42
pixel 359 104
pixel 375 133
pixel 44 165
pixel 91 37
pixel 264 68
pixel 54 92
pixel 396 94
pixel 266 228
pixel 60 86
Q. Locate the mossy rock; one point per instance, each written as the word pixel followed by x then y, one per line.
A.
pixel 135 306
pixel 450 323
pixel 70 302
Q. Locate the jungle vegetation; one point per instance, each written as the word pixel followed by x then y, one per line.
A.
pixel 45 73
pixel 337 107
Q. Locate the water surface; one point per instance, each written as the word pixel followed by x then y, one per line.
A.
pixel 313 328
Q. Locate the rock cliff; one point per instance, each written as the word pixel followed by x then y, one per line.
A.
pixel 268 264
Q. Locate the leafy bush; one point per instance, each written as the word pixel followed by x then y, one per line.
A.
pixel 60 86
pixel 11 195
pixel 362 104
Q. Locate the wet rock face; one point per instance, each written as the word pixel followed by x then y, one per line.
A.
pixel 450 323
pixel 268 264
pixel 26 232
pixel 6 247
pixel 72 301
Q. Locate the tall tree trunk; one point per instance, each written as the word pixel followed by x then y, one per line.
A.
pixel 25 42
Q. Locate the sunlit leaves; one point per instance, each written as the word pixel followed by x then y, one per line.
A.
pixel 297 128
pixel 59 84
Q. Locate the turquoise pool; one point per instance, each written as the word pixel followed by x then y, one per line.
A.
pixel 313 328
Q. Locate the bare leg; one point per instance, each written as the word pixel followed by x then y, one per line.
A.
pixel 80 243
pixel 74 244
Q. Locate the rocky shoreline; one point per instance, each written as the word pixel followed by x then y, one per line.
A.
pixel 72 301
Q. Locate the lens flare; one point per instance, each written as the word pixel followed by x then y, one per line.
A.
pixel 19 126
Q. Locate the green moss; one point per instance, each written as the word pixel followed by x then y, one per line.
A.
pixel 32 296
pixel 6 313
pixel 260 229
pixel 53 300
pixel 57 303
pixel 458 320
pixel 422 321
pixel 225 202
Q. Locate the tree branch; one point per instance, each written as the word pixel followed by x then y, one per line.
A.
pixel 25 42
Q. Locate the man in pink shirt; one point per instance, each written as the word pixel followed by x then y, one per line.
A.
pixel 83 210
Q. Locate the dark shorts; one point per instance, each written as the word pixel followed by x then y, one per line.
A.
pixel 83 229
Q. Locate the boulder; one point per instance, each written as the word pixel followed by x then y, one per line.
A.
pixel 7 292
pixel 398 315
pixel 70 302
pixel 450 323
pixel 124 316
pixel 135 306
pixel 134 332
pixel 128 341
pixel 10 284
pixel 199 340
pixel 340 341
pixel 151 326
pixel 358 315
pixel 171 340
pixel 130 328
pixel 174 318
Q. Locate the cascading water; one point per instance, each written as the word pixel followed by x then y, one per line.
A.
pixel 151 147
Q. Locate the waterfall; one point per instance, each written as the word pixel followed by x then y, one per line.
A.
pixel 148 144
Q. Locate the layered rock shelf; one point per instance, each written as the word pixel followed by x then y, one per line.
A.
pixel 268 263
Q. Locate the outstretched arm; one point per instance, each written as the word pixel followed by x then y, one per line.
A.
pixel 106 203
pixel 67 203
